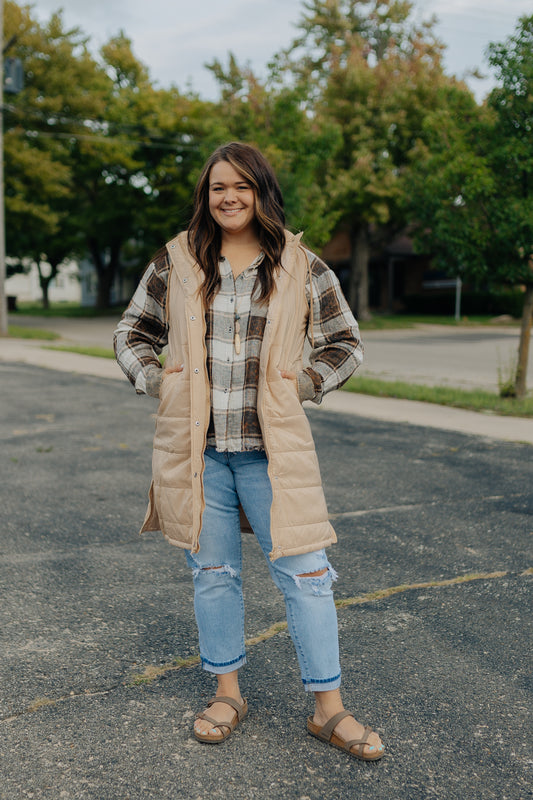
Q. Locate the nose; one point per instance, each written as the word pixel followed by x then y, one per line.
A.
pixel 230 195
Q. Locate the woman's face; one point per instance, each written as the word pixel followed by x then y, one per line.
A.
pixel 231 199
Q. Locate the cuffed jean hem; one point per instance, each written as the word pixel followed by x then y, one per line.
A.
pixel 326 685
pixel 223 669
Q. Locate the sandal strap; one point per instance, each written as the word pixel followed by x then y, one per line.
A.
pixel 230 701
pixel 207 718
pixel 216 723
pixel 359 742
pixel 331 724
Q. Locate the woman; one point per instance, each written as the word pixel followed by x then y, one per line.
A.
pixel 234 297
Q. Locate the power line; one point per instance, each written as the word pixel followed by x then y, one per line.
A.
pixel 34 134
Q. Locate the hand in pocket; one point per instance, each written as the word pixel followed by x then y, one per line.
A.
pixel 170 370
pixel 290 376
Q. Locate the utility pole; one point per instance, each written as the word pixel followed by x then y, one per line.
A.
pixel 3 298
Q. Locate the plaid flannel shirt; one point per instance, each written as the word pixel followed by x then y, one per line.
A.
pixel 234 426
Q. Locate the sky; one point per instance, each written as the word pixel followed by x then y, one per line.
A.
pixel 176 38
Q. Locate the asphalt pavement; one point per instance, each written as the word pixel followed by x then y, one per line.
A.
pixel 100 679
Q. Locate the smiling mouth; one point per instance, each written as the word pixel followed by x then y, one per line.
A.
pixel 231 210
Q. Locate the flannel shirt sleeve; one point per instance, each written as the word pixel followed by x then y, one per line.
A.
pixel 336 347
pixel 143 331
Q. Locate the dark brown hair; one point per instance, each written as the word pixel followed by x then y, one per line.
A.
pixel 204 237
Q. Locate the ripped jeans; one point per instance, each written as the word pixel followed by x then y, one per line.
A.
pixel 230 478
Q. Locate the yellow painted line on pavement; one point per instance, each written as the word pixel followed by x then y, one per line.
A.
pixel 152 672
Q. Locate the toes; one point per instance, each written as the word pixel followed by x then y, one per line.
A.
pixel 205 729
pixel 374 745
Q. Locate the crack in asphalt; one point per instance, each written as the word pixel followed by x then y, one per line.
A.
pixel 152 672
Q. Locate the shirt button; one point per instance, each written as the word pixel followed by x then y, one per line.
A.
pixel 230 329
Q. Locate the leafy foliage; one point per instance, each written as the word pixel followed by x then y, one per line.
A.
pixel 471 183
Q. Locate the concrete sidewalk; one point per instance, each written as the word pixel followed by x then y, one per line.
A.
pixel 98 647
pixel 427 414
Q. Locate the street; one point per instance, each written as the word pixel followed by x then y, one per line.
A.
pixel 466 357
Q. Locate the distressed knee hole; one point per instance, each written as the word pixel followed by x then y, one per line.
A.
pixel 313 574
pixel 320 581
pixel 223 569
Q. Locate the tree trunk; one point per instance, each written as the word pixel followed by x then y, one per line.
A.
pixel 103 292
pixel 358 286
pixel 45 298
pixel 45 281
pixel 523 348
pixel 106 270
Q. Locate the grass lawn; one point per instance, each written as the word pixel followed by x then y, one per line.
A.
pixel 18 332
pixel 71 310
pixel 99 352
pixel 473 400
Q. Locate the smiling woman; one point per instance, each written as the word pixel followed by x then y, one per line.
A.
pixel 235 297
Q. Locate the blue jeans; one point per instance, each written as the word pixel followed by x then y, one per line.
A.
pixel 230 479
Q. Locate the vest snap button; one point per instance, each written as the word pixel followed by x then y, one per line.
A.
pixel 197 370
pixel 193 317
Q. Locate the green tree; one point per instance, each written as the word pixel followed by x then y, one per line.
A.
pixel 374 75
pixel 98 161
pixel 512 100
pixel 133 176
pixel 59 79
pixel 471 184
pixel 272 115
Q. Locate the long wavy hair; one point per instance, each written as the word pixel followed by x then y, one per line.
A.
pixel 204 236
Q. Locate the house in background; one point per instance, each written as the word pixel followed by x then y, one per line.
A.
pixel 396 273
pixel 76 282
pixel 25 287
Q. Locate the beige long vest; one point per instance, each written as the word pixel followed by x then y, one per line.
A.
pixel 299 518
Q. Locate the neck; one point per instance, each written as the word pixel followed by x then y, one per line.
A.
pixel 246 239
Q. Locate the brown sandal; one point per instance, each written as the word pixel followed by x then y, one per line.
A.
pixel 325 734
pixel 225 728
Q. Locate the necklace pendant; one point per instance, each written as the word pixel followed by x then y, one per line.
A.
pixel 237 343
